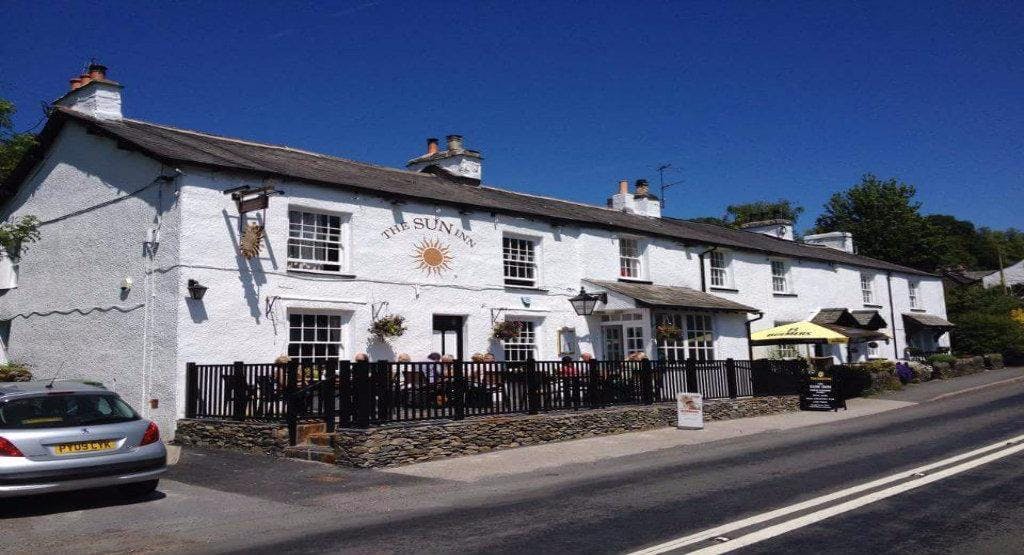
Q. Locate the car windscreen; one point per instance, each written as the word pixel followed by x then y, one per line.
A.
pixel 58 410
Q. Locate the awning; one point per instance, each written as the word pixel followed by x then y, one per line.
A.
pixel 808 332
pixel 919 321
pixel 670 296
pixel 797 333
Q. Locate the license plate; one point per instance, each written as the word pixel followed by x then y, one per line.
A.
pixel 85 447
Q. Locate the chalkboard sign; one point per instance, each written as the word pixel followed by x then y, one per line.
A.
pixel 820 392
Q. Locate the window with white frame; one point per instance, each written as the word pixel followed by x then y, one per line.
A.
pixel 519 258
pixel 784 351
pixel 871 349
pixel 314 337
pixel 780 277
pixel 700 337
pixel 634 339
pixel 315 242
pixel 631 253
pixel 524 345
pixel 867 288
pixel 914 290
pixel 719 264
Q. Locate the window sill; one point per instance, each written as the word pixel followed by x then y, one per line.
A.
pixel 869 305
pixel 918 310
pixel 724 289
pixel 636 280
pixel 526 288
pixel 322 274
pixel 774 294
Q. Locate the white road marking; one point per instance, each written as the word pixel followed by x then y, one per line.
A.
pixel 711 533
pixel 818 516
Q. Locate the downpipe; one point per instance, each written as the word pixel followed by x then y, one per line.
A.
pixel 750 348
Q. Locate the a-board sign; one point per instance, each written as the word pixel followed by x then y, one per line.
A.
pixel 690 411
pixel 820 393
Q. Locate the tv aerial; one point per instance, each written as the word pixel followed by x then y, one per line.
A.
pixel 662 186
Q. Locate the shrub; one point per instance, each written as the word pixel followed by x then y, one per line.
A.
pixel 994 360
pixel 14 372
pixel 984 332
pixel 948 359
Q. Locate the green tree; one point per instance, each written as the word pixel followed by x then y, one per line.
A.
pixel 985 321
pixel 757 211
pixel 739 214
pixel 13 145
pixel 884 219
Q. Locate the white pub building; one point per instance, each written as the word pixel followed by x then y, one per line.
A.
pixel 162 246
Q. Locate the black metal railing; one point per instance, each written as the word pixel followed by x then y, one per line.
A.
pixel 363 393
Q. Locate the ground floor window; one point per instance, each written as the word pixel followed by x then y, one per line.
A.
pixel 524 345
pixel 697 339
pixel 314 337
pixel 784 351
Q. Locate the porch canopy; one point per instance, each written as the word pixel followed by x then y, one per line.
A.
pixel 918 322
pixel 799 333
pixel 646 295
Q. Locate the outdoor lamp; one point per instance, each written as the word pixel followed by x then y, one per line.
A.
pixel 584 303
pixel 195 290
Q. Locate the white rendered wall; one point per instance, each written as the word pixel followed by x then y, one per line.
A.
pixel 68 314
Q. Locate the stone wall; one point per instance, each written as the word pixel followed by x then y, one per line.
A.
pixel 397 444
pixel 268 438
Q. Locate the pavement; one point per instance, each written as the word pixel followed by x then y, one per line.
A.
pixel 221 502
pixel 939 389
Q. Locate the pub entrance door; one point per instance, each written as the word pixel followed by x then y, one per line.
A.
pixel 448 335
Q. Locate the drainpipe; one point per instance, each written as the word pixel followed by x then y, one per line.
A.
pixel 703 279
pixel 892 316
pixel 750 348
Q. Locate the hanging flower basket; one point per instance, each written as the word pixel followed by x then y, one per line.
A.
pixel 668 332
pixel 388 327
pixel 503 331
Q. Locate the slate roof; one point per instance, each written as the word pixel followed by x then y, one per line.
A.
pixel 978 274
pixel 836 317
pixel 926 320
pixel 670 296
pixel 869 319
pixel 178 146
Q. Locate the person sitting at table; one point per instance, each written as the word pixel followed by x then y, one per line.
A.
pixel 362 357
pixel 568 369
pixel 488 357
pixel 432 370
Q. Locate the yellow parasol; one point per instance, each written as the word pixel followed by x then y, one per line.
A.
pixel 796 333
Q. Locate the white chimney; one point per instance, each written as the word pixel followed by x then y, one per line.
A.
pixel 839 240
pixel 646 203
pixel 456 161
pixel 93 94
pixel 623 201
pixel 783 229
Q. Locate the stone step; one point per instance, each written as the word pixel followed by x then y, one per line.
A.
pixel 320 438
pixel 308 452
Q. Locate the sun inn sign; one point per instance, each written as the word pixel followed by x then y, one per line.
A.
pixel 433 255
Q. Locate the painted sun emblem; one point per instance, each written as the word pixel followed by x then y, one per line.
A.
pixel 432 256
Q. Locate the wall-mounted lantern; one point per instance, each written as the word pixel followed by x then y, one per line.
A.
pixel 584 303
pixel 196 291
pixel 126 284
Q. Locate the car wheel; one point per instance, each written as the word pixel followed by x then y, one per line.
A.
pixel 138 489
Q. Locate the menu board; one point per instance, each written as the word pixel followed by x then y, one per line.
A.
pixel 690 411
pixel 820 393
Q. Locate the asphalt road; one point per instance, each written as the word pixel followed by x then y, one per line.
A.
pixel 218 502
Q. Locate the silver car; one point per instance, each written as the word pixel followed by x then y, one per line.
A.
pixel 66 435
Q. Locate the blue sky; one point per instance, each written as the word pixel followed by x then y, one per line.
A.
pixel 746 100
